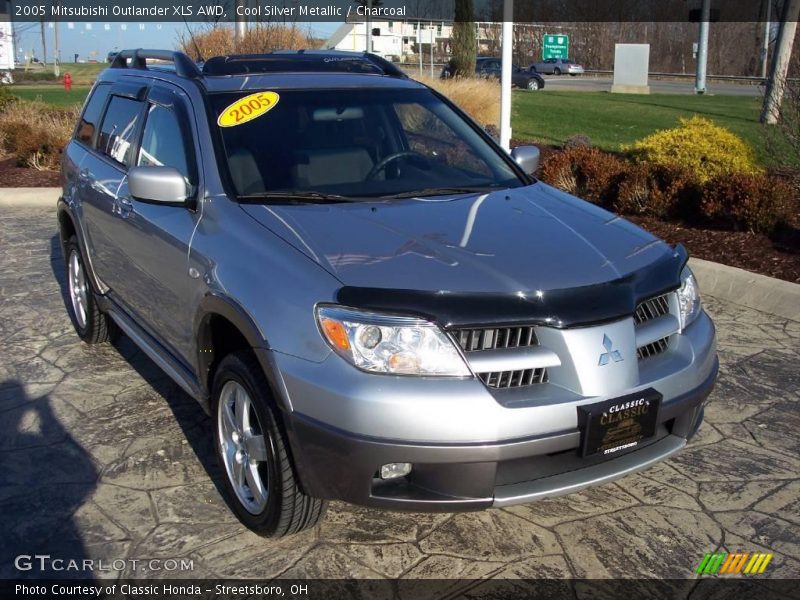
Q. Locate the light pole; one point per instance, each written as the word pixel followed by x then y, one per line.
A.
pixel 702 48
pixel 505 77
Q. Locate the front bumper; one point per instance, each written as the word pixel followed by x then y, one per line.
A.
pixel 472 449
pixel 460 477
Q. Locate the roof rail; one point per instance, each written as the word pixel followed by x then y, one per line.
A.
pixel 184 66
pixel 301 61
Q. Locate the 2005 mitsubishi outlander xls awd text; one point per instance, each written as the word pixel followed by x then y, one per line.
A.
pixel 373 300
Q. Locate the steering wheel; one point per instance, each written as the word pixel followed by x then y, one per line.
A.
pixel 390 159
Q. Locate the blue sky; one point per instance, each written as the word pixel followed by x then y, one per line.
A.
pixel 101 38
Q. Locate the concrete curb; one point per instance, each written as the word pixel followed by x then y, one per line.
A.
pixel 774 296
pixel 33 196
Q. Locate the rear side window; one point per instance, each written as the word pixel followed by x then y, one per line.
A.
pixel 118 131
pixel 163 142
pixel 90 118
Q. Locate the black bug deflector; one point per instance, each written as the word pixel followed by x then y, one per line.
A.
pixel 573 307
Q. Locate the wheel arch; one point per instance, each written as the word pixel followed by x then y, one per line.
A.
pixel 67 227
pixel 222 326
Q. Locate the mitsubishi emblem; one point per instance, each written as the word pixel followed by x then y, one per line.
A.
pixel 609 354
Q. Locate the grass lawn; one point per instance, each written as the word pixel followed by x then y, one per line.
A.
pixel 611 120
pixel 82 73
pixel 52 94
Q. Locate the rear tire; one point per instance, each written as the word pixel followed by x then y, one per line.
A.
pixel 91 325
pixel 557 71
pixel 260 480
pixel 533 85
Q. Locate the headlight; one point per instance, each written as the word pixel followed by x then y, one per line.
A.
pixel 390 344
pixel 688 298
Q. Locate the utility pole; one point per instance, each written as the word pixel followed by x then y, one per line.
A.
pixel 57 58
pixel 241 23
pixel 702 48
pixel 765 45
pixel 419 46
pixel 44 46
pixel 369 25
pixel 780 64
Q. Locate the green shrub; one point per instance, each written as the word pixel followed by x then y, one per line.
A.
pixel 588 173
pixel 756 203
pixel 699 145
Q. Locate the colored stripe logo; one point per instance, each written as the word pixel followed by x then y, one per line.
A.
pixel 721 563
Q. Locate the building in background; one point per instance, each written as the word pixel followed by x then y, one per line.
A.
pixel 403 41
pixel 400 41
pixel 6 47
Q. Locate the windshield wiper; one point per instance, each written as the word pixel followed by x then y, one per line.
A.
pixel 442 191
pixel 309 196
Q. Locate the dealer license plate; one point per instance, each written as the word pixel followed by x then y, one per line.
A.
pixel 619 424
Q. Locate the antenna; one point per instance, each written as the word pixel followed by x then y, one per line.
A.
pixel 194 41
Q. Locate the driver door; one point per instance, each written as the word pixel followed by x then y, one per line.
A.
pixel 157 284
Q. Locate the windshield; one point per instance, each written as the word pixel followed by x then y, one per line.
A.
pixel 352 144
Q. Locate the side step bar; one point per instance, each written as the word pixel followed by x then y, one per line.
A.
pixel 176 371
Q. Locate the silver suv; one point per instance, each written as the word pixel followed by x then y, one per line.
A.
pixel 373 301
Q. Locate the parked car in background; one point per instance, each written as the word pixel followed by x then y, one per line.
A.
pixel 557 66
pixel 111 56
pixel 491 68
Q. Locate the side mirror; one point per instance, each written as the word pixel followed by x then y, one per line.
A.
pixel 527 157
pixel 162 185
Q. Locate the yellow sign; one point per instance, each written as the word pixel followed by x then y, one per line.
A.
pixel 248 108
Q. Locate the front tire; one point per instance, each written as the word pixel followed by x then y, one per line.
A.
pixel 533 85
pixel 91 325
pixel 260 481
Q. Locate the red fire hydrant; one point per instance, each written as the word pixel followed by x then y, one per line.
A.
pixel 67 82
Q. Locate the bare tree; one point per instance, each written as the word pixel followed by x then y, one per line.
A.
pixel 465 48
pixel 776 85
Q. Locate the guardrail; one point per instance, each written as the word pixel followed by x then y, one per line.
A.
pixel 744 78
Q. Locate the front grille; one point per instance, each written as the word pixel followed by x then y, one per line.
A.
pixel 646 311
pixel 653 349
pixel 510 379
pixel 481 339
pixel 651 309
pixel 475 340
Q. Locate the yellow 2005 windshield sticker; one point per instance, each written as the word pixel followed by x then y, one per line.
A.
pixel 248 108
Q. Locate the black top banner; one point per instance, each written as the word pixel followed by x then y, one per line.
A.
pixel 298 11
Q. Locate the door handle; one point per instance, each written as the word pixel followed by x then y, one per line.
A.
pixel 123 207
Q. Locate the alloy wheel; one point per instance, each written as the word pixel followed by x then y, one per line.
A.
pixel 77 289
pixel 243 447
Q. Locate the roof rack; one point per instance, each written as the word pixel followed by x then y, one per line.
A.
pixel 184 66
pixel 302 61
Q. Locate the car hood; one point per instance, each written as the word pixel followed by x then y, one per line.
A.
pixel 518 242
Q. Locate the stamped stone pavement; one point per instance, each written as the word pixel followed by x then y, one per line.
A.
pixel 103 457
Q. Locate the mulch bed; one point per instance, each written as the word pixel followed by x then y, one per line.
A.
pixel 778 257
pixel 12 175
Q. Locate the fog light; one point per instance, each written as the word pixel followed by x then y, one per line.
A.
pixel 394 470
